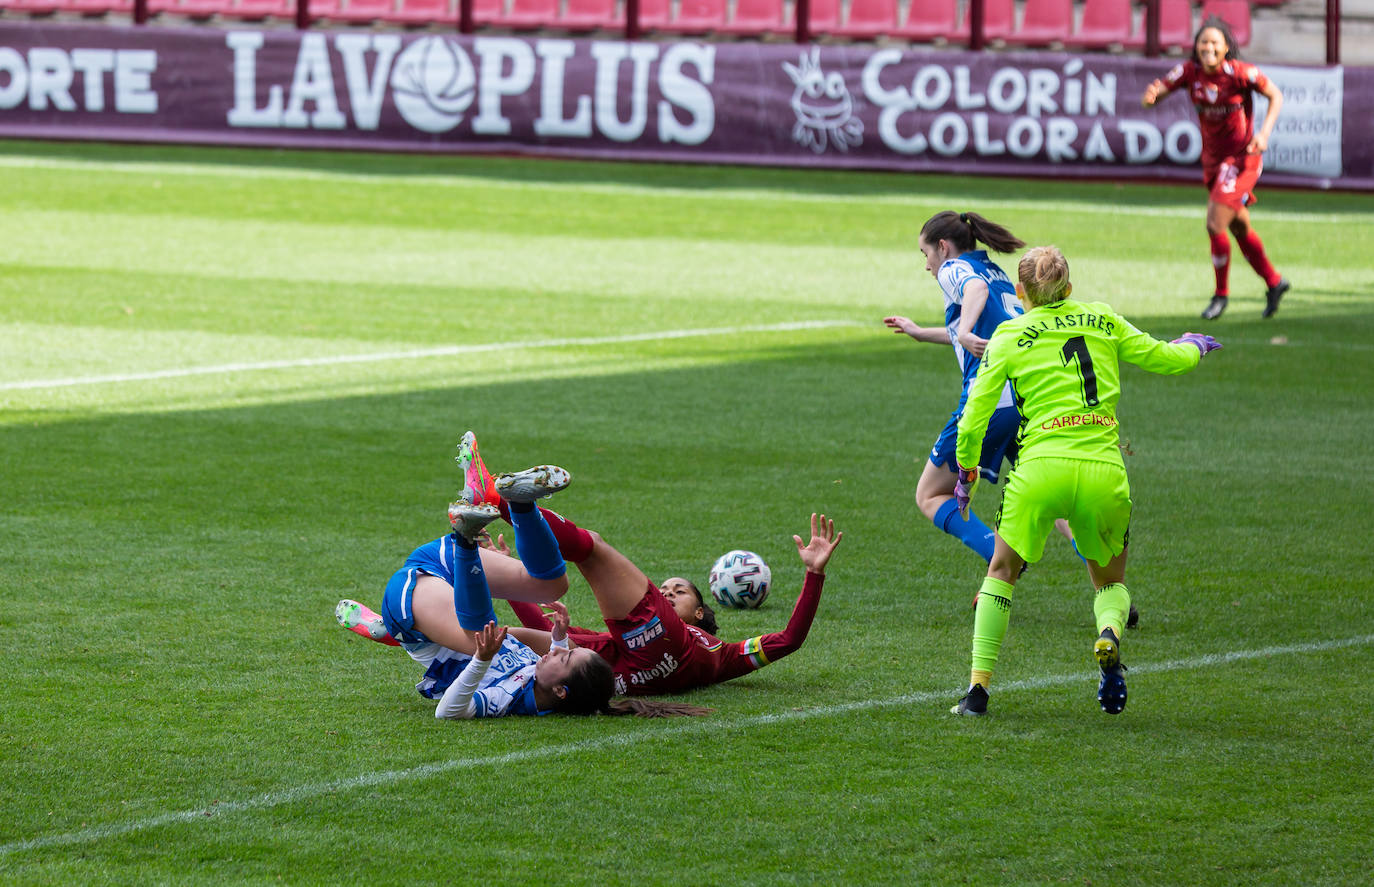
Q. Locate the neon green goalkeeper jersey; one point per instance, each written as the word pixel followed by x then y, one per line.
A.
pixel 1063 362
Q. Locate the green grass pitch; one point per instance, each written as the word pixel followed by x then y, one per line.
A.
pixel 230 390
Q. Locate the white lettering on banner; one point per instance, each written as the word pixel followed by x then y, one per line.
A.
pixel 434 82
pixel 1032 98
pixel 1307 136
pixel 608 58
pixel 683 92
pixel 47 76
pixel 246 112
pixel 313 82
pixel 366 92
pixel 493 82
pixel 551 122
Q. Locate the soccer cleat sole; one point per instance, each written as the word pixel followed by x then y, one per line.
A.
pixel 477 480
pixel 1111 691
pixel 469 520
pixel 349 614
pixel 534 483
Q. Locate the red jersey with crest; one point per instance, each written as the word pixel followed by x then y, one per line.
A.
pixel 653 651
pixel 1225 105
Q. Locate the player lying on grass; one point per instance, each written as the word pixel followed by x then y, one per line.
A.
pixel 1063 360
pixel 659 641
pixel 438 607
pixel 979 297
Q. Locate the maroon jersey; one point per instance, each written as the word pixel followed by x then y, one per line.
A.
pixel 653 651
pixel 1225 105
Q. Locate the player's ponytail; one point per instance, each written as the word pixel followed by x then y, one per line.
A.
pixel 646 708
pixel 590 687
pixel 1044 275
pixel 966 230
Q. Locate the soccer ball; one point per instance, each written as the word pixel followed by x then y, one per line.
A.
pixel 740 579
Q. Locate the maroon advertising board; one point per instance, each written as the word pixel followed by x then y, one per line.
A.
pixel 834 106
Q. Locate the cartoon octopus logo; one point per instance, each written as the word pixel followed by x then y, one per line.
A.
pixel 824 107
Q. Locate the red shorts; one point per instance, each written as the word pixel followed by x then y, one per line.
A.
pixel 1232 182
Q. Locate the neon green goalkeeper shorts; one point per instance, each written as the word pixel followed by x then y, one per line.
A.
pixel 1094 497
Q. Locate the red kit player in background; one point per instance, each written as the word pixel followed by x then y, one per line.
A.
pixel 1222 89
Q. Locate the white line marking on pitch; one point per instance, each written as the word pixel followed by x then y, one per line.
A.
pixel 459 180
pixel 389 777
pixel 420 353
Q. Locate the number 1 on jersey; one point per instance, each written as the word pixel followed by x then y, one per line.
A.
pixel 1077 348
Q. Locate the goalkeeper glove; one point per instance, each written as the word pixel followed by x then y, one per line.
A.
pixel 963 489
pixel 1203 343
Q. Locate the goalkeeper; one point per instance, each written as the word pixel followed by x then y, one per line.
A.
pixel 1062 358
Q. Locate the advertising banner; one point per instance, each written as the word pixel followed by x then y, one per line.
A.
pixel 834 106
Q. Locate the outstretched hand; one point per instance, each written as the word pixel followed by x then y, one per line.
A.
pixel 902 325
pixel 484 539
pixel 489 640
pixel 558 615
pixel 824 539
pixel 1203 343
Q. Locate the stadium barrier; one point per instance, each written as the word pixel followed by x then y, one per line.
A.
pixel 1158 26
pixel 843 106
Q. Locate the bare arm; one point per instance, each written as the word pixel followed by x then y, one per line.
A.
pixel 1260 142
pixel 975 299
pixel 1153 93
pixel 934 335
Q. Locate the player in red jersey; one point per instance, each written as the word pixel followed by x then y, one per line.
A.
pixel 657 641
pixel 1222 89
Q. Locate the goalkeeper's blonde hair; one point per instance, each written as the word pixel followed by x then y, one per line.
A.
pixel 1044 275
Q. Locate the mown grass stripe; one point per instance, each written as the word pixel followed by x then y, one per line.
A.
pixel 620 740
pixel 422 353
pixel 459 181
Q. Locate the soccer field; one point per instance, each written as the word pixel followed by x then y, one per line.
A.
pixel 232 384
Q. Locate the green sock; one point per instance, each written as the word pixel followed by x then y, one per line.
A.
pixel 1110 606
pixel 990 623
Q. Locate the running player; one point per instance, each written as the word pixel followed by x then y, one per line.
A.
pixel 978 297
pixel 1062 357
pixel 1222 88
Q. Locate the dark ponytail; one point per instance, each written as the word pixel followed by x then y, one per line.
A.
pixel 589 691
pixel 965 230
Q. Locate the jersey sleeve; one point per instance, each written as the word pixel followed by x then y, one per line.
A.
pixel 1151 354
pixel 1252 77
pixel 1177 76
pixel 983 395
pixel 756 652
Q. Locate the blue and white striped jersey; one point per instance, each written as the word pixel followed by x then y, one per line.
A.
pixel 506 689
pixel 954 276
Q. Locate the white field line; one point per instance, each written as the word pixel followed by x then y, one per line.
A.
pixel 420 353
pixel 465 182
pixel 620 740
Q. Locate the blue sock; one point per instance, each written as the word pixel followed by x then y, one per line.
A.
pixel 972 532
pixel 535 543
pixel 471 597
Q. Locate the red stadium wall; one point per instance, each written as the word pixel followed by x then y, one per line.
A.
pixel 842 106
